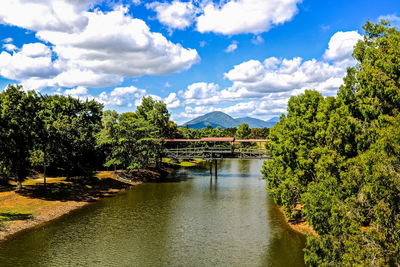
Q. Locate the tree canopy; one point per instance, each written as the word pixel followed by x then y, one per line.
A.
pixel 336 160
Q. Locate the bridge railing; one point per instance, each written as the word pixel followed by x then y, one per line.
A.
pixel 215 152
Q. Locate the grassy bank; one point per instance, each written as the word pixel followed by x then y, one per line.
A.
pixel 182 163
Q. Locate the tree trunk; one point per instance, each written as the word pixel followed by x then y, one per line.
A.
pixel 21 176
pixel 44 166
pixel 19 185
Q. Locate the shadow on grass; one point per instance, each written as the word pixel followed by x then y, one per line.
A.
pixel 12 216
pixel 79 189
pixel 5 186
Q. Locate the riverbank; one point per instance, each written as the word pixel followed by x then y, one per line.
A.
pixel 300 225
pixel 37 204
pixel 182 163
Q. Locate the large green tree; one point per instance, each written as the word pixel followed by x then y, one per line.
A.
pixel 157 114
pixel 243 131
pixel 132 140
pixel 68 133
pixel 336 159
pixel 19 131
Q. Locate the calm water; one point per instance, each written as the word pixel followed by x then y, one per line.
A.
pixel 187 221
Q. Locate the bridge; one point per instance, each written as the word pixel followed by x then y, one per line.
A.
pixel 208 149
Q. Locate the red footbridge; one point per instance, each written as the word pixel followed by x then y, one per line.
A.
pixel 215 148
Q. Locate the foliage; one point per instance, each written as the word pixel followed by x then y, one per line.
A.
pixel 74 137
pixel 67 133
pixel 243 131
pixel 338 159
pixel 18 134
pixel 132 139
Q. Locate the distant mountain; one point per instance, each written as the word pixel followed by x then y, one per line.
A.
pixel 253 122
pixel 274 120
pixel 218 118
pixel 214 119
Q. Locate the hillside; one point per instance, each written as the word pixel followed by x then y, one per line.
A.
pixel 218 118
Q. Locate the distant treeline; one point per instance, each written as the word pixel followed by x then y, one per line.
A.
pixel 336 160
pixel 68 136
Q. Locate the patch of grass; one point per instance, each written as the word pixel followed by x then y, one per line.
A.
pixel 49 180
pixel 12 216
pixel 191 163
pixel 105 174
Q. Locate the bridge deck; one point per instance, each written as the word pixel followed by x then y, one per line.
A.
pixel 215 153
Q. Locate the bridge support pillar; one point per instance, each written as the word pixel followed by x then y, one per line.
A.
pixel 216 170
pixel 215 163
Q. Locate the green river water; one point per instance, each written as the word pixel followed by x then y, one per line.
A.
pixel 186 221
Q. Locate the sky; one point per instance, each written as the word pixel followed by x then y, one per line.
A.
pixel 242 57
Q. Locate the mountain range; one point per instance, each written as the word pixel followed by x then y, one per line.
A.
pixel 223 120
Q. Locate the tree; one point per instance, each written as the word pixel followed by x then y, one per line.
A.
pixel 106 138
pixel 18 134
pixel 243 131
pixel 68 133
pixel 335 160
pixel 131 140
pixel 259 133
pixel 157 114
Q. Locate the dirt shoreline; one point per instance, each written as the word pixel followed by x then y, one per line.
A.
pixel 47 215
pixel 301 226
pixel 35 205
pixel 30 207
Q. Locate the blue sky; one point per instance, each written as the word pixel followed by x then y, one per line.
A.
pixel 243 57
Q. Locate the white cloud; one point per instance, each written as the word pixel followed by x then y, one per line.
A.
pixel 110 47
pixel 76 77
pixel 121 96
pixel 228 17
pixel 232 47
pixel 280 75
pixel 124 91
pixel 202 93
pixel 36 50
pixel 10 47
pixel 30 62
pixel 248 71
pixel 8 40
pixel 261 89
pixel 245 16
pixel 77 92
pixel 341 46
pixel 115 43
pixel 257 40
pixel 60 15
pixel 172 101
pixel 392 18
pixel 175 15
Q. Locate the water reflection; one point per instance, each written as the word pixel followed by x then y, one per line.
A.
pixel 188 220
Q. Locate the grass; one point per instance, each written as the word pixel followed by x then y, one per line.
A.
pixel 191 163
pixel 13 216
pixel 34 197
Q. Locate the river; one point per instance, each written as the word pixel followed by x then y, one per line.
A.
pixel 186 221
